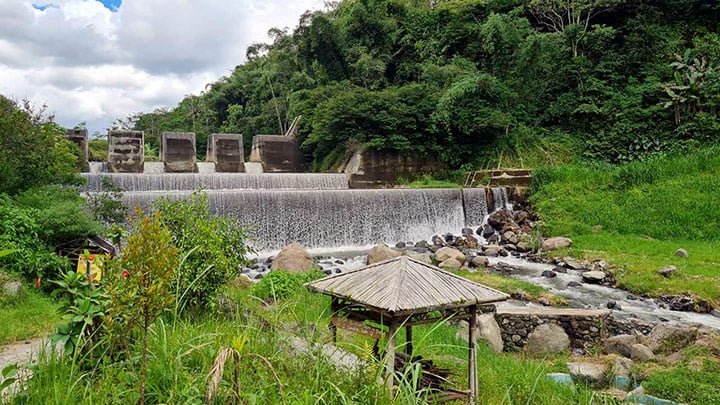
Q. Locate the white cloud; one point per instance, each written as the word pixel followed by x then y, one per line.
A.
pixel 91 64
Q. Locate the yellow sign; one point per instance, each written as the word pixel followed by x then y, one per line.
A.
pixel 94 262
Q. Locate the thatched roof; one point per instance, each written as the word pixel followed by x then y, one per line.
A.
pixel 403 286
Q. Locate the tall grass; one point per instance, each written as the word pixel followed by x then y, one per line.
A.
pixel 31 316
pixel 182 355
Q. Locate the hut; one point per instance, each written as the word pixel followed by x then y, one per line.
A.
pixel 404 292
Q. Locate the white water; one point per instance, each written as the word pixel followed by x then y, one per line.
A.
pixel 331 218
pixel 597 296
pixel 215 181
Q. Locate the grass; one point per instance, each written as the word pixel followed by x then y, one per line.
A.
pixel 33 316
pixel 636 216
pixel 182 353
pixel 511 285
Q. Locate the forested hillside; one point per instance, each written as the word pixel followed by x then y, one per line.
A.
pixel 473 82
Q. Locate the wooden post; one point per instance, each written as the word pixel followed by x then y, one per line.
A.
pixel 390 356
pixel 472 357
pixel 333 329
pixel 408 340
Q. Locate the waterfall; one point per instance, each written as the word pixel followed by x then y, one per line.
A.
pixel 475 205
pixel 215 181
pixel 331 218
pixel 500 199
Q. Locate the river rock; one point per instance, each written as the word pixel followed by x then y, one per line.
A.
pixel 593 277
pixel 547 338
pixel 489 332
pixel 294 259
pixel 549 274
pixel 681 252
pixel 422 244
pixel 556 243
pixel 492 250
pixel 620 344
pixel 438 241
pixel 421 257
pixel 642 353
pixel 573 284
pixel 558 269
pixel 510 237
pixel 494 238
pixel 466 231
pixel 486 231
pixel 715 313
pixel 480 261
pixel 671 337
pixel 500 219
pixel 621 367
pixel 668 271
pixel 381 253
pixel 471 242
pixel 446 253
pixel 589 373
pixel 401 245
pixel 450 263
pixel 523 247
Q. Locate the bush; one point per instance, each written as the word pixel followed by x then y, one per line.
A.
pixel 279 284
pixel 214 248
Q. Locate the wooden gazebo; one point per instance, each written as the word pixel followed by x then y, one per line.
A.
pixel 405 292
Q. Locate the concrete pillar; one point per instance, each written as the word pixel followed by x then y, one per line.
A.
pixel 177 151
pixel 277 153
pixel 80 138
pixel 126 153
pixel 226 151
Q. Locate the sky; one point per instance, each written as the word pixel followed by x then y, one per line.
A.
pixel 94 61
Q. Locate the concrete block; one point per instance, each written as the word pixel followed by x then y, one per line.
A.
pixel 126 153
pixel 80 138
pixel 226 151
pixel 277 153
pixel 177 151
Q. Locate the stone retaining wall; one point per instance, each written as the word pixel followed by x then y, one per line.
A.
pixel 583 327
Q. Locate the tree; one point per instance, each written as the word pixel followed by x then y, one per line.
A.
pixel 570 17
pixel 689 88
pixel 33 151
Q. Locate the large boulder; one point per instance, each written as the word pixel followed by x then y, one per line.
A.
pixel 489 332
pixel 381 253
pixel 421 257
pixel 671 337
pixel 294 259
pixel 500 219
pixel 556 243
pixel 547 338
pixel 450 263
pixel 445 253
pixel 620 344
pixel 593 277
pixel 642 353
pixel 589 373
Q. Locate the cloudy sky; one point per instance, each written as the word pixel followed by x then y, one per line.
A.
pixel 98 60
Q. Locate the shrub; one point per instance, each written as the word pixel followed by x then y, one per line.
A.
pixel 213 248
pixel 279 284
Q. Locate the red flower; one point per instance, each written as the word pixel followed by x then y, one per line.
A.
pixel 125 274
pixel 37 283
pixel 91 257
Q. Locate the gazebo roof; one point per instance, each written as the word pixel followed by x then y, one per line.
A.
pixel 405 286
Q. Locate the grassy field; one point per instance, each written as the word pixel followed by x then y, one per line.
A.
pixel 33 316
pixel 637 215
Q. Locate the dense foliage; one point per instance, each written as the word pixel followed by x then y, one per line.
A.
pixel 33 151
pixel 212 248
pixel 475 82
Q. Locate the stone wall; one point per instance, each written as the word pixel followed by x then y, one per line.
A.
pixel 226 151
pixel 177 151
pixel 126 153
pixel 583 327
pixel 370 168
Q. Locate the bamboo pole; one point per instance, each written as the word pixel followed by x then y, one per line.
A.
pixel 472 357
pixel 390 356
pixel 408 340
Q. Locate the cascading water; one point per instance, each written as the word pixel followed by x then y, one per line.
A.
pixel 331 218
pixel 215 181
pixel 500 199
pixel 475 206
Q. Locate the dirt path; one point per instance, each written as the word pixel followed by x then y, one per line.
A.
pixel 20 352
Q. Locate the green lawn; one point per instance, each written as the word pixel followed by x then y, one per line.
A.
pixel 34 316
